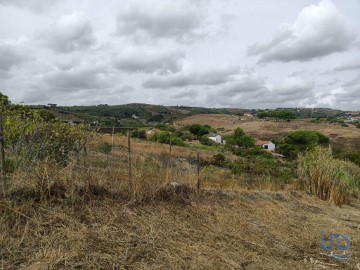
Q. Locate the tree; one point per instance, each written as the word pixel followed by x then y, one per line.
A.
pixel 199 130
pixel 206 141
pixel 4 100
pixel 301 140
pixel 238 132
pixel 30 135
pixel 246 141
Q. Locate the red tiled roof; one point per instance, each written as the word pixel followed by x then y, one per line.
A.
pixel 262 142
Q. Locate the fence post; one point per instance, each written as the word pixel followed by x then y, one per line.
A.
pixel 129 161
pixel 2 153
pixel 198 171
pixel 170 143
pixel 112 137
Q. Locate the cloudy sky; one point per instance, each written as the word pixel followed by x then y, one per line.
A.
pixel 213 53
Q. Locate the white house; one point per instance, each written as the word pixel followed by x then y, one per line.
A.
pixel 267 145
pixel 215 137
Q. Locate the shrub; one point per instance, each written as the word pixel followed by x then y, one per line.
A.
pixel 301 140
pixel 253 152
pixel 219 160
pixel 104 147
pixel 328 178
pixel 177 141
pixel 246 141
pixel 206 141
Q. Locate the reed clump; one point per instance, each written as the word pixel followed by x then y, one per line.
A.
pixel 328 178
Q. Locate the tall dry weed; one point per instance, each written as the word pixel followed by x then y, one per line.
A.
pixel 328 178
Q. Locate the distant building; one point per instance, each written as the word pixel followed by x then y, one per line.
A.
pixel 267 145
pixel 215 137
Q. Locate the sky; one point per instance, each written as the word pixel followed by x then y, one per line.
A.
pixel 208 53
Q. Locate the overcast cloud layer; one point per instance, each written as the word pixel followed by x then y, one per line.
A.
pixel 233 53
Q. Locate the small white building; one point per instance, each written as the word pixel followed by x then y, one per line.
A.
pixel 215 137
pixel 267 145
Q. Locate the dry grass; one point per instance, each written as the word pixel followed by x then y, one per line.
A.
pixel 348 136
pixel 247 230
pixel 214 120
pixel 85 216
pixel 328 178
pixel 148 147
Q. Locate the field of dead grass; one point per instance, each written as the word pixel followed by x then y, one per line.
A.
pixel 217 230
pixel 267 130
pixel 142 146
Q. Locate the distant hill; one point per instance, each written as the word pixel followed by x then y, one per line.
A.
pixel 138 114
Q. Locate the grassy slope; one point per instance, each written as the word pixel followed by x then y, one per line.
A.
pixel 349 136
pixel 243 230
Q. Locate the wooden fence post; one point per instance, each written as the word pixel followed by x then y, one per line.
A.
pixel 2 154
pixel 112 137
pixel 198 171
pixel 170 143
pixel 129 162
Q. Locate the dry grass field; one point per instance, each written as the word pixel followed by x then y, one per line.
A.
pixel 242 230
pixel 88 215
pixel 268 130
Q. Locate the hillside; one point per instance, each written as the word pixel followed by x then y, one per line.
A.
pixel 272 130
pixel 138 114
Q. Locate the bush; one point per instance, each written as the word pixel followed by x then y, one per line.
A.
pixel 253 152
pixel 328 178
pixel 246 141
pixel 301 140
pixel 177 141
pixel 141 134
pixel 104 147
pixel 219 160
pixel 206 141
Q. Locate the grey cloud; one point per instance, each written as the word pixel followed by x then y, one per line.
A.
pixel 181 20
pixel 37 6
pixel 190 93
pixel 76 79
pixel 210 77
pixel 147 61
pixel 319 30
pixel 69 33
pixel 244 83
pixel 294 85
pixel 9 57
pixel 354 66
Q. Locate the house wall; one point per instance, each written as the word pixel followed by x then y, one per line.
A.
pixel 216 139
pixel 270 146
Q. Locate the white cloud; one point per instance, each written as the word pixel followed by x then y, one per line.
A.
pixel 10 56
pixel 33 5
pixel 294 85
pixel 191 78
pixel 135 60
pixel 177 19
pixel 319 30
pixel 69 33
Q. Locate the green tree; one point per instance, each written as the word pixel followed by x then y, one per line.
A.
pixel 246 141
pixel 301 140
pixel 199 130
pixel 238 132
pixel 4 100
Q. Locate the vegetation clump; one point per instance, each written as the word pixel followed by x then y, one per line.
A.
pixel 328 178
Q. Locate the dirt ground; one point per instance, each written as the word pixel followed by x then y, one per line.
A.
pixel 242 230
